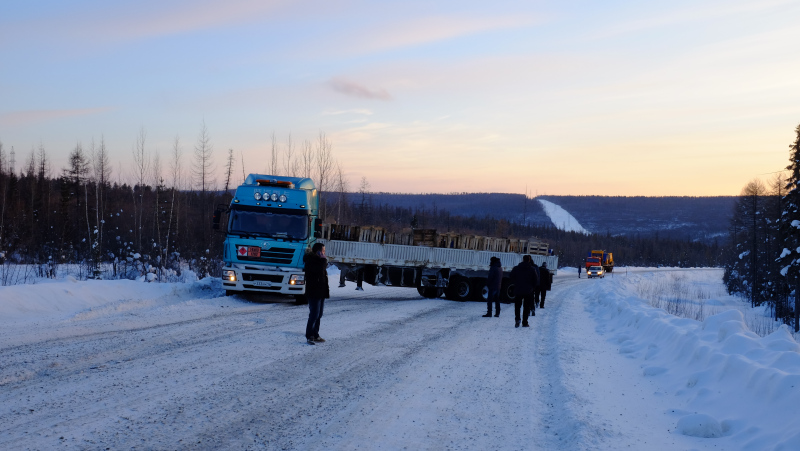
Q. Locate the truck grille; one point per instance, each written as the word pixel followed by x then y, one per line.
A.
pixel 275 255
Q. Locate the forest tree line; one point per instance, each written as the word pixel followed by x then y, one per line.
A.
pixel 160 221
pixel 762 262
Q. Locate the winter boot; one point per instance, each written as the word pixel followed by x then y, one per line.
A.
pixel 488 315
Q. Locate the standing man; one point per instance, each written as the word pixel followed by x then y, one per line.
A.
pixel 524 278
pixel 579 271
pixel 317 290
pixel 545 283
pixel 493 284
pixel 537 289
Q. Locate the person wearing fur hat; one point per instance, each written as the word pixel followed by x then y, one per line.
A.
pixel 493 283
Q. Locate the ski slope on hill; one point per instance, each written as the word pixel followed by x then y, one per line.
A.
pixel 561 218
pixel 124 364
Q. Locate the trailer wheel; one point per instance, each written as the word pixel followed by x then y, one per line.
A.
pixel 507 292
pixel 459 289
pixel 480 289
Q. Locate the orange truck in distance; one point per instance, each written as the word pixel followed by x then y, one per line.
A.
pixel 600 258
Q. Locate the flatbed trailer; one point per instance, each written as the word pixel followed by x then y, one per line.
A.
pixel 459 274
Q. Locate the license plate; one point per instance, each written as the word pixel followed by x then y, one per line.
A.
pixel 262 283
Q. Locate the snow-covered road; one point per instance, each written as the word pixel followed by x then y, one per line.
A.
pixel 190 370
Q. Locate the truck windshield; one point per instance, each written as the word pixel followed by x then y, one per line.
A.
pixel 270 223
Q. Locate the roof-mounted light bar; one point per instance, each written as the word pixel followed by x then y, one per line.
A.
pixel 273 182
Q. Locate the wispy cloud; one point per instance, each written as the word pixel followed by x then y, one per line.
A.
pixel 420 31
pixel 189 17
pixel 22 118
pixel 353 89
pixel 361 111
pixel 695 13
pixel 129 21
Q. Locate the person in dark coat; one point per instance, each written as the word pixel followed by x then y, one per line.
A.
pixel 493 283
pixel 538 288
pixel 317 290
pixel 525 280
pixel 545 283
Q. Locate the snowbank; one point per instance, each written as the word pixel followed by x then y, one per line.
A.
pixel 726 380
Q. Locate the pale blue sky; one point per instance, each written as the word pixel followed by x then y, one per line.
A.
pixel 568 97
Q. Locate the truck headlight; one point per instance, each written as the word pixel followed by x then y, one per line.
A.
pixel 297 279
pixel 229 275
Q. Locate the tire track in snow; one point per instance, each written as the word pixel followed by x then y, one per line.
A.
pixel 61 365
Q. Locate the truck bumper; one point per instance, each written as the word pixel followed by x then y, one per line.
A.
pixel 253 279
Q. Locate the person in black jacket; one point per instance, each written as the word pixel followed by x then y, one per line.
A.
pixel 545 283
pixel 537 289
pixel 493 284
pixel 317 290
pixel 525 279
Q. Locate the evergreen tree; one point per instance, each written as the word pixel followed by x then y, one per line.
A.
pixel 790 226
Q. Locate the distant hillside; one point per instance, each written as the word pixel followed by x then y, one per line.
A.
pixel 512 207
pixel 693 218
pixel 690 218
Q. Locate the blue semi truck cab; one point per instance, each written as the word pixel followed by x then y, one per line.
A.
pixel 272 220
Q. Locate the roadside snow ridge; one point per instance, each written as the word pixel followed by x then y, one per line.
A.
pixel 561 218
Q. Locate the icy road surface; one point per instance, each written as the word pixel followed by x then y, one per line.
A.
pixel 190 370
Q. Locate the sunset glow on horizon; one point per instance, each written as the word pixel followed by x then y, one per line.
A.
pixel 623 98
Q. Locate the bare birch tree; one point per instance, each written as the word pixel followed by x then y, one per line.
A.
pixel 289 162
pixel 175 173
pixel 203 169
pixel 324 165
pixel 273 161
pixel 158 187
pixel 341 189
pixel 101 173
pixel 141 168
pixel 307 159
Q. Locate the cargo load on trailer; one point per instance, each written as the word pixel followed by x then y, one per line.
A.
pixel 452 264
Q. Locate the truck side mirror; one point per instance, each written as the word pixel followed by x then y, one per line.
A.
pixel 317 228
pixel 215 219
